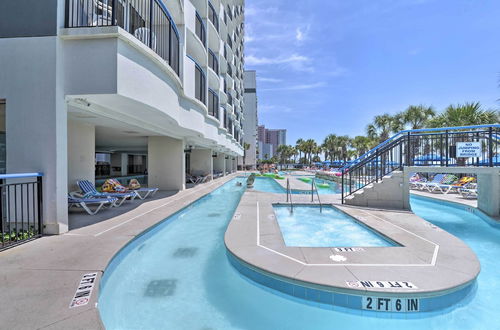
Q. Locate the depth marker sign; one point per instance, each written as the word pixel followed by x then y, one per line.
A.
pixel 84 290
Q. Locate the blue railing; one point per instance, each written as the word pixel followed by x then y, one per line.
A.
pixel 21 199
pixel 441 146
pixel 413 131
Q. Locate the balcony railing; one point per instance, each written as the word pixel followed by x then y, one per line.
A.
pixel 213 104
pixel 201 32
pixel 147 20
pixel 21 208
pixel 213 63
pixel 212 16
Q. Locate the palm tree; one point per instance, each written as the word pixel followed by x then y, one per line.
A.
pixel 299 145
pixel 361 144
pixel 417 116
pixel 329 146
pixel 382 127
pixel 465 115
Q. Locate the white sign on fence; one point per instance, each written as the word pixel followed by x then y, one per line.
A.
pixel 468 149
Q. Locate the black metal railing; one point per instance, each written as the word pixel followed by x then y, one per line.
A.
pixel 213 104
pixel 200 84
pixel 21 208
pixel 212 16
pixel 213 63
pixel 147 20
pixel 469 146
pixel 200 30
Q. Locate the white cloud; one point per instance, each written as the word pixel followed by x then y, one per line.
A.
pixel 291 59
pixel 266 79
pixel 296 87
pixel 299 36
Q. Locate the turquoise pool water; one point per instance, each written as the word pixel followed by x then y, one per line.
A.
pixel 270 185
pixel 308 227
pixel 177 276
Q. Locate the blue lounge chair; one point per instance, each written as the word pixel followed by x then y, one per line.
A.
pixel 85 203
pixel 89 190
pixel 436 179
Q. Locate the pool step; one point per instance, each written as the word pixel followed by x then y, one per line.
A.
pixel 387 193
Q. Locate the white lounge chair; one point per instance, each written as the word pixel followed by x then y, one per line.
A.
pixel 469 191
pixel 77 201
pixel 89 190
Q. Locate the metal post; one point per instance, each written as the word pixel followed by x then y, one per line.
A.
pixel 408 147
pixel 441 145
pixel 1 211
pixel 447 148
pixel 151 24
pixel 401 156
pixel 40 205
pixel 342 188
pixel 490 145
pixel 376 165
pixel 312 190
pixel 113 12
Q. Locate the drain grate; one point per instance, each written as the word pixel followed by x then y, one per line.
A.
pixel 186 252
pixel 161 288
pixel 214 215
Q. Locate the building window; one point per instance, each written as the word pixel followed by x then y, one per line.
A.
pixel 213 104
pixel 200 30
pixel 212 16
pixel 200 85
pixel 213 63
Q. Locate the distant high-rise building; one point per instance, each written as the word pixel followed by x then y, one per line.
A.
pixel 269 141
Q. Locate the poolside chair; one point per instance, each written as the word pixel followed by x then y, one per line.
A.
pixel 469 190
pixel 192 179
pixel 436 179
pixel 142 192
pixel 77 201
pixel 89 190
pixel 414 179
pixel 454 187
pixel 444 186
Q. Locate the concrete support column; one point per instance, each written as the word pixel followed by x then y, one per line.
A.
pixel 81 153
pixel 488 188
pixel 36 134
pixel 202 162
pixel 219 163
pixel 124 164
pixel 166 168
pixel 229 166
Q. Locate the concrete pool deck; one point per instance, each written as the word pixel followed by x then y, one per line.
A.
pixel 39 278
pixel 432 259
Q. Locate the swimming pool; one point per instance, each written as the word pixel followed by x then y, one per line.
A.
pixel 270 185
pixel 177 276
pixel 308 227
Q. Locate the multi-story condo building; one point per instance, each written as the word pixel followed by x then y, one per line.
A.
pixel 251 119
pixel 269 140
pixel 96 88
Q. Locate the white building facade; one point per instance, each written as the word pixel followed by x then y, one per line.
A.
pixel 251 121
pixel 100 88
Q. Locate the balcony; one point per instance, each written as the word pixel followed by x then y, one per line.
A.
pixel 147 20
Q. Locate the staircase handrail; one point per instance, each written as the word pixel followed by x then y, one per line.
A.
pixel 405 132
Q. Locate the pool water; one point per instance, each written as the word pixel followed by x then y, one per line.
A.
pixel 177 276
pixel 270 185
pixel 308 227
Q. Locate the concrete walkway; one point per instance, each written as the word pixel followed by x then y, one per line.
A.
pixel 39 278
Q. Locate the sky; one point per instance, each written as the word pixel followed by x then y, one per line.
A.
pixel 330 66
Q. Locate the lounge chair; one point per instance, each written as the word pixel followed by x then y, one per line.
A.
pixel 85 203
pixel 437 179
pixel 192 179
pixel 454 187
pixel 415 178
pixel 444 186
pixel 89 190
pixel 469 190
pixel 142 192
